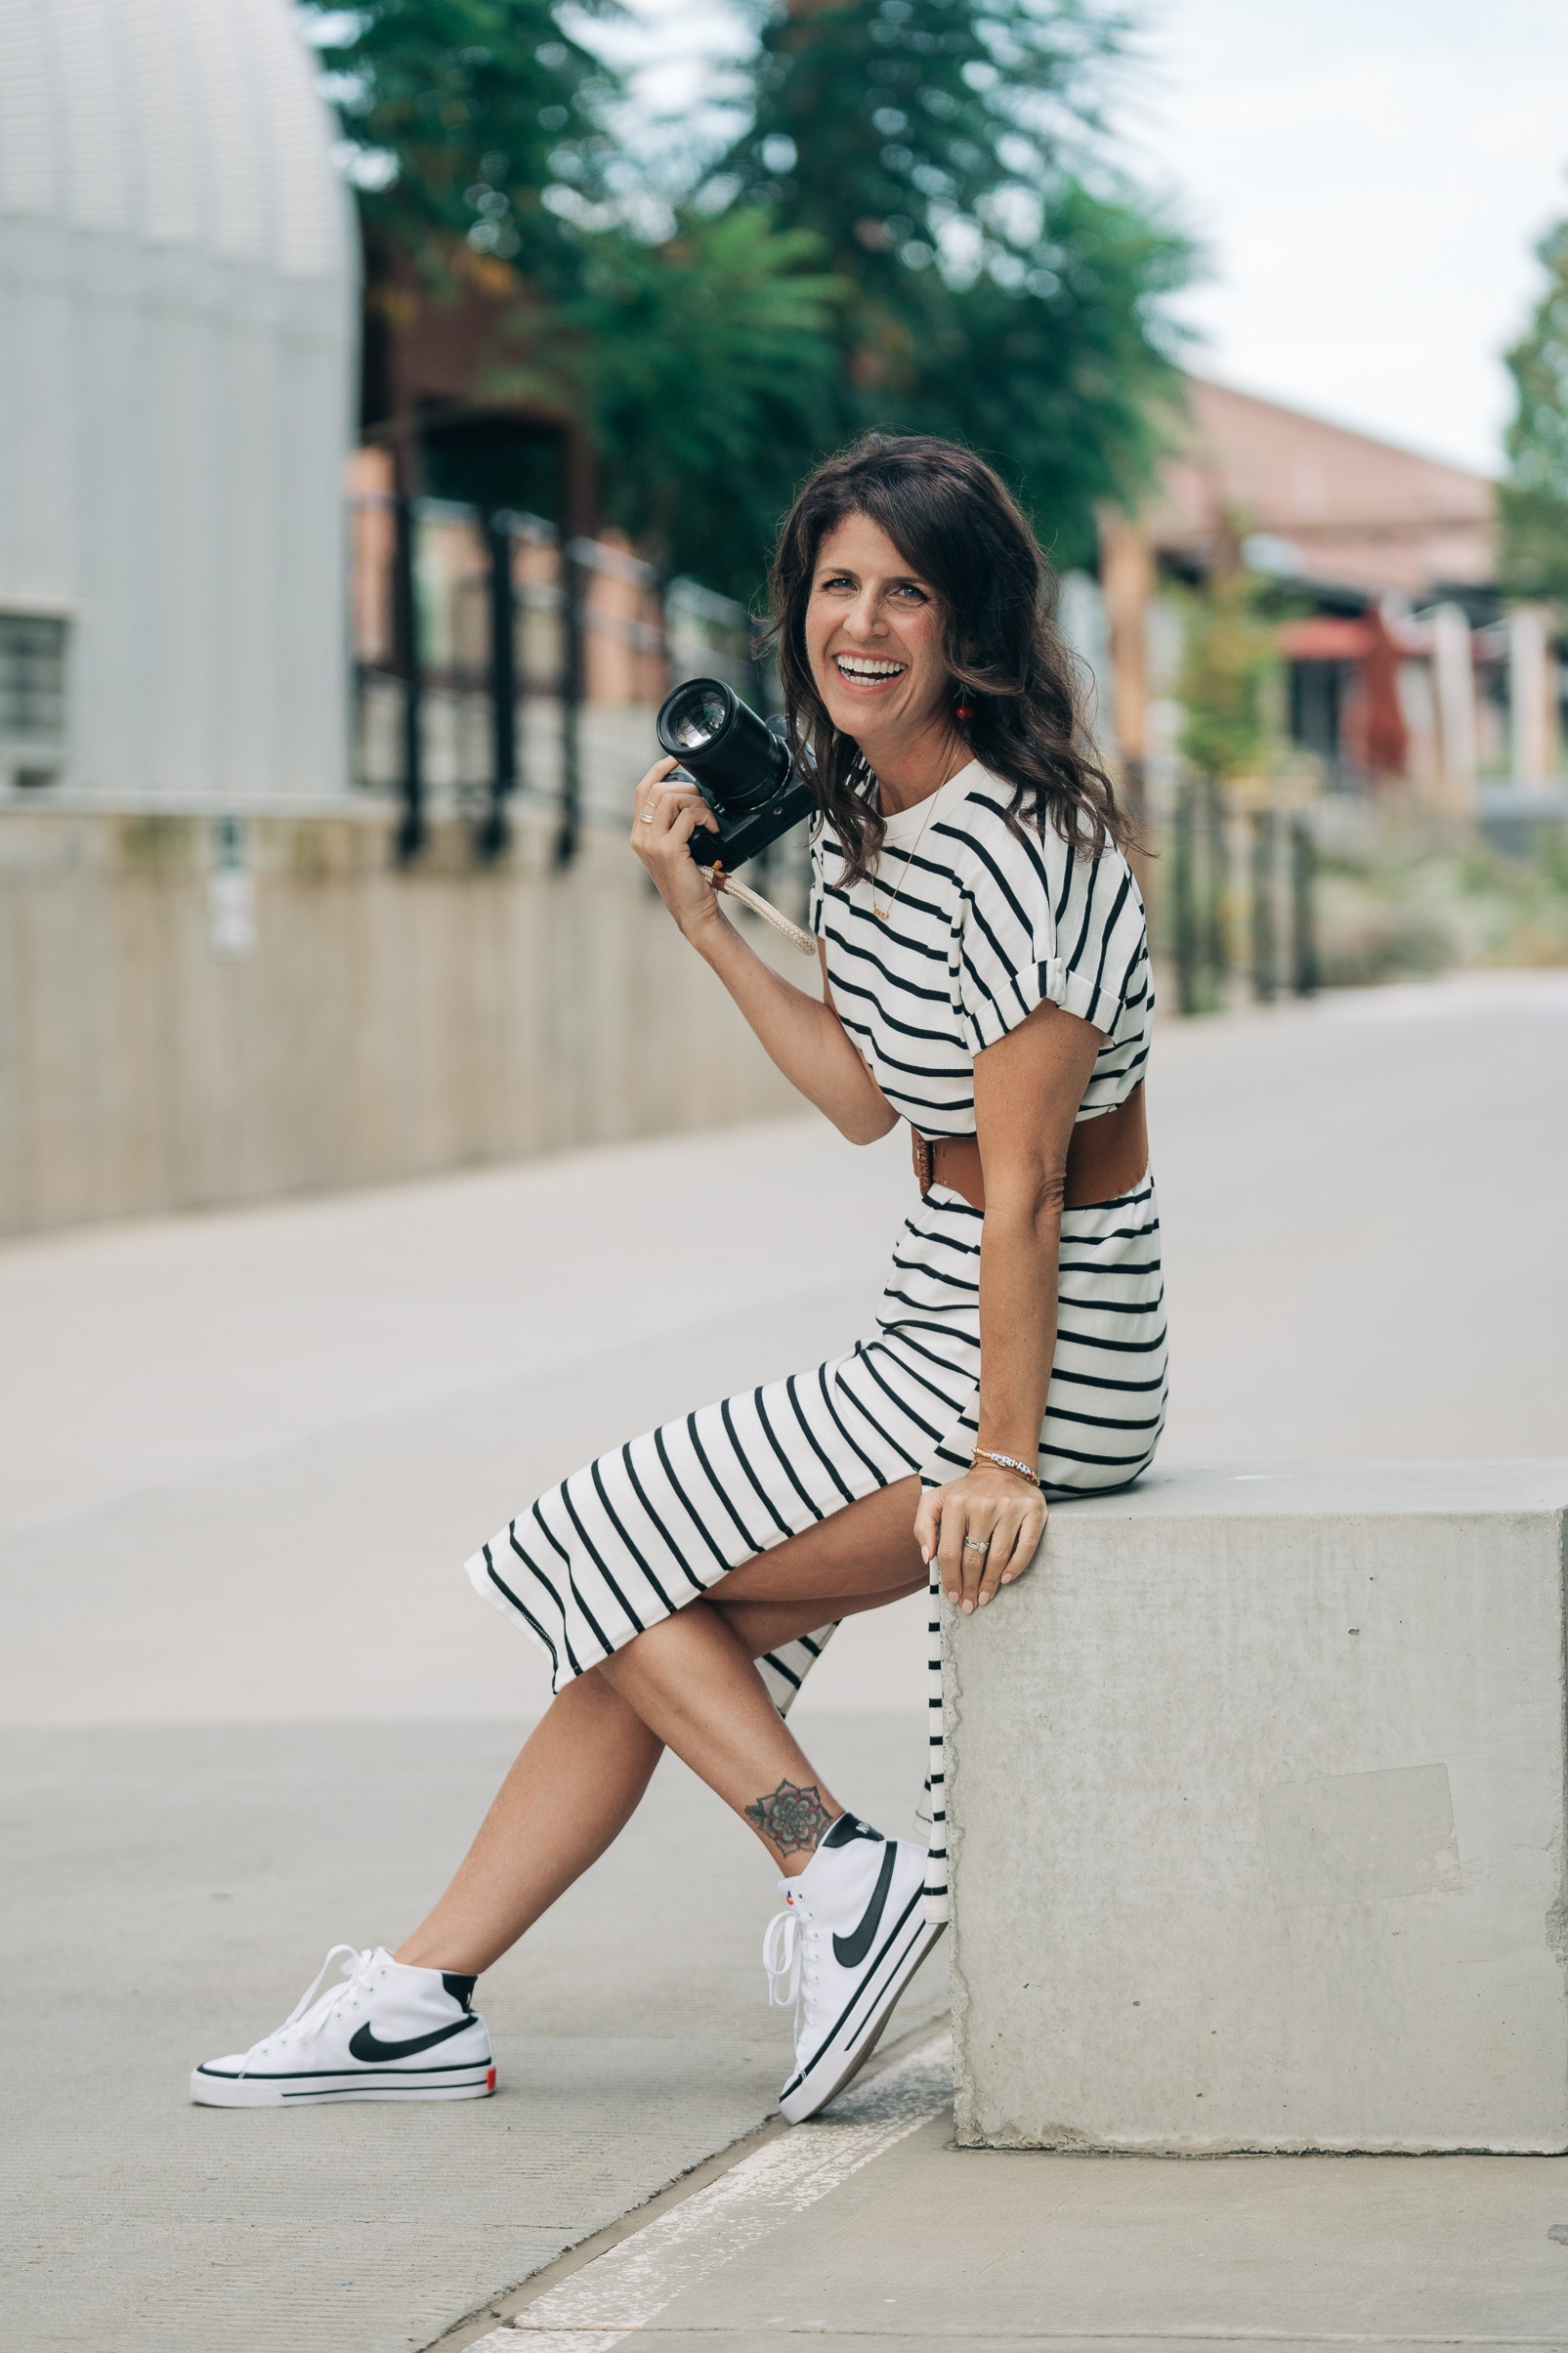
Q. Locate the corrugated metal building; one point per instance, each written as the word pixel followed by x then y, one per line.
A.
pixel 178 274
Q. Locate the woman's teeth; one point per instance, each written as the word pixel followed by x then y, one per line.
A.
pixel 856 665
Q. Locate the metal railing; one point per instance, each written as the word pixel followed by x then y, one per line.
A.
pixel 492 659
pixel 497 664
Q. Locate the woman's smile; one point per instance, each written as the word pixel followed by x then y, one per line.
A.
pixel 868 673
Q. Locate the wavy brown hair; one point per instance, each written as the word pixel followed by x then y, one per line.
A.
pixel 955 525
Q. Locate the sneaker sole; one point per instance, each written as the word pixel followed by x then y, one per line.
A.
pixel 841 2058
pixel 471 2082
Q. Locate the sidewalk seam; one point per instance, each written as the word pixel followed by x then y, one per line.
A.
pixel 501 2311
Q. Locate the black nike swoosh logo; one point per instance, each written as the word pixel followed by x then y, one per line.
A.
pixel 363 2044
pixel 850 1951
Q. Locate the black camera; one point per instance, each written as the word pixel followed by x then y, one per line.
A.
pixel 740 766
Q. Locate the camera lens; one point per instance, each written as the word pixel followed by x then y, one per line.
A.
pixel 698 719
pixel 734 756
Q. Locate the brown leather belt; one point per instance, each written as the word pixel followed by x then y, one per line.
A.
pixel 1107 1156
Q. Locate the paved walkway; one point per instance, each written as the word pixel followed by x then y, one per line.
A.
pixel 869 2233
pixel 251 1707
pixel 169 1891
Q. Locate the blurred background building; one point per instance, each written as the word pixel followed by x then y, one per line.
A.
pixel 178 277
pixel 1401 663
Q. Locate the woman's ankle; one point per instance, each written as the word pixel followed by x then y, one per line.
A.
pixel 792 1820
pixel 419 1952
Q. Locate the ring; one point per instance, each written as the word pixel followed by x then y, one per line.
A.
pixel 647 817
pixel 971 1546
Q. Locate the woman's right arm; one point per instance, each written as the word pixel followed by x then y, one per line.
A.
pixel 803 1035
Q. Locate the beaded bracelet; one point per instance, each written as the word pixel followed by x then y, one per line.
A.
pixel 1004 1462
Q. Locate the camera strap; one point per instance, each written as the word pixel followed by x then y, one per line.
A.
pixel 793 932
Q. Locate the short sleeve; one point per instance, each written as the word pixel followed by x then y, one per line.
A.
pixel 825 847
pixel 1042 924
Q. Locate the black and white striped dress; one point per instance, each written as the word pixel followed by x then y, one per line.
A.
pixel 985 928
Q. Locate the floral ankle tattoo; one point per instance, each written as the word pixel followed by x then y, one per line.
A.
pixel 791 1820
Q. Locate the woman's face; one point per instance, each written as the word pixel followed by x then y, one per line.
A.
pixel 874 638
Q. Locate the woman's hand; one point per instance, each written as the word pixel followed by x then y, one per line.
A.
pixel 664 814
pixel 802 1034
pixel 984 1530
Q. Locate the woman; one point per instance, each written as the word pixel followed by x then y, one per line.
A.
pixel 984 975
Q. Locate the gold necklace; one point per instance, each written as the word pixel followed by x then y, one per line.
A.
pixel 882 913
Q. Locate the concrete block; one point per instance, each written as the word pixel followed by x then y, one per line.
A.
pixel 1257 1811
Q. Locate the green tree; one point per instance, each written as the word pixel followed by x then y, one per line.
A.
pixel 1533 501
pixel 1068 390
pixel 708 359
pixel 477 124
pixel 916 227
pixel 700 360
pixel 1005 287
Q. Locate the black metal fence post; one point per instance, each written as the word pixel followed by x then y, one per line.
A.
pixel 1215 957
pixel 492 834
pixel 1184 912
pixel 1303 911
pixel 1264 964
pixel 571 692
pixel 410 837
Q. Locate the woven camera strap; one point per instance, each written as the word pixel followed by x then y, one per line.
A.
pixel 1106 1158
pixel 793 932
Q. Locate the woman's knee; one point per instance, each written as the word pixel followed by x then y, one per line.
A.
pixel 865 1553
pixel 595 1695
pixel 764 1626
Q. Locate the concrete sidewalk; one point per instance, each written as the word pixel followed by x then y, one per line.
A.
pixel 170 1891
pixel 867 2232
pixel 252 1706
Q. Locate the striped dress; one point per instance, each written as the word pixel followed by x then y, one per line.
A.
pixel 985 928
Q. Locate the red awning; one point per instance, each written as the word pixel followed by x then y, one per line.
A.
pixel 1326 637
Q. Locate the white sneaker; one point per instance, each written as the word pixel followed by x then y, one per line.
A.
pixel 852 1934
pixel 391 2033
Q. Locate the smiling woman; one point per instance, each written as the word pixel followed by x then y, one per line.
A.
pixel 889 667
pixel 985 976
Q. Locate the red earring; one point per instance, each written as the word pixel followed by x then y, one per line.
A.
pixel 963 710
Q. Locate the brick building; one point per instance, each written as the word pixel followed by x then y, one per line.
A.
pixel 1401 664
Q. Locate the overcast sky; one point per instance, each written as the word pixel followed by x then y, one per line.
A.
pixel 1369 178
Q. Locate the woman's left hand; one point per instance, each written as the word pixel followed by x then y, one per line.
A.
pixel 984 1530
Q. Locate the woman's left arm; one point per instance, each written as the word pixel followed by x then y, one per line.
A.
pixel 1028 1088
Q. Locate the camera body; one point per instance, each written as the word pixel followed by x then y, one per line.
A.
pixel 739 763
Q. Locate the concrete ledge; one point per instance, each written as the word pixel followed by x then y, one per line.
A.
pixel 1256 1808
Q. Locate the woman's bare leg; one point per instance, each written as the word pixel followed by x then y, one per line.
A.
pixel 573 1789
pixel 690 1681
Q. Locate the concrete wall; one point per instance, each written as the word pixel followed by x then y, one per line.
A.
pixel 193 1013
pixel 1256 1809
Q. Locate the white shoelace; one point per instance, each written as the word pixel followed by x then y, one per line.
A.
pixel 303 2020
pixel 787 1958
